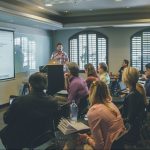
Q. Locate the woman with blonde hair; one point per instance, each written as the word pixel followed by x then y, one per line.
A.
pixel 104 118
pixel 134 104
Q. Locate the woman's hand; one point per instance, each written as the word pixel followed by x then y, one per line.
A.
pixel 83 136
pixel 66 75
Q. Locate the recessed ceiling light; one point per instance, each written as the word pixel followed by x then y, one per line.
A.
pixel 118 0
pixel 90 9
pixel 48 5
pixel 40 7
pixel 66 11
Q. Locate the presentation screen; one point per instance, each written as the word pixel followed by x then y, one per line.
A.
pixel 6 55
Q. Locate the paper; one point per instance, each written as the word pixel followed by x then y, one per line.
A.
pixel 67 127
pixel 63 92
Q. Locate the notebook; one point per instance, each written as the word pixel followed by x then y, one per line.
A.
pixel 122 86
pixel 67 127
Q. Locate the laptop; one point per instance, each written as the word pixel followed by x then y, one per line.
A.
pixel 12 98
pixel 122 86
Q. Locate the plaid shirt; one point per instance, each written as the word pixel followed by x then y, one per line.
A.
pixel 60 56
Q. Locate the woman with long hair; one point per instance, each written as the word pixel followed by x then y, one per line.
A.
pixel 134 104
pixel 104 118
pixel 90 73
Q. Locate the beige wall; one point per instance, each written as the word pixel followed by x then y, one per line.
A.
pixel 43 44
pixel 118 46
pixel 11 87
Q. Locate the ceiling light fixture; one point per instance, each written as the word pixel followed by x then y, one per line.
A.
pixel 40 7
pixel 118 0
pixel 49 5
pixel 66 11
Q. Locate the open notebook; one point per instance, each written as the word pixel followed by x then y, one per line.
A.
pixel 67 127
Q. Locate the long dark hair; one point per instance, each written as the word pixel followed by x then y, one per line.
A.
pixel 91 70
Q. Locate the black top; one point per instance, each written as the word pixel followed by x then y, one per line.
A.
pixel 133 106
pixel 28 117
pixel 147 87
pixel 134 112
pixel 120 73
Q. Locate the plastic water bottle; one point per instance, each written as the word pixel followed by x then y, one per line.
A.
pixel 73 111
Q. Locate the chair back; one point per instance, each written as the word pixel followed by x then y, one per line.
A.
pixel 119 141
pixel 42 139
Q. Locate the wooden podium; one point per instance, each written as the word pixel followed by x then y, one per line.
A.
pixel 55 78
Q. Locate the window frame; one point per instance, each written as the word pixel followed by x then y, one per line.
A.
pixel 98 35
pixel 140 34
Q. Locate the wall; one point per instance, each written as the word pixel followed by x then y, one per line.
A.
pixel 43 42
pixel 118 43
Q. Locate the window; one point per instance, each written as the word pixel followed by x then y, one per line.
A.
pixel 28 49
pixel 88 47
pixel 140 49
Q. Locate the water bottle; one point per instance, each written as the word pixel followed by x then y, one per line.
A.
pixel 73 111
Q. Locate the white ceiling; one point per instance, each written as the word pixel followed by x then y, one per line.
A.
pixel 68 14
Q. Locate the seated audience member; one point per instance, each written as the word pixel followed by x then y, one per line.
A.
pixel 103 73
pixel 76 86
pixel 124 65
pixel 147 83
pixel 134 104
pixel 104 118
pixel 91 74
pixel 29 116
pixel 140 89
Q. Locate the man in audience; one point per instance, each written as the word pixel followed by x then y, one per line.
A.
pixel 29 116
pixel 76 86
pixel 147 83
pixel 124 65
pixel 59 54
